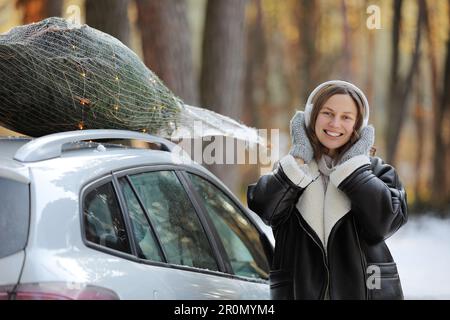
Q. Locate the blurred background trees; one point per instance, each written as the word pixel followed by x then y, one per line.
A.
pixel 257 61
pixel 35 10
pixel 166 45
pixel 222 70
pixel 110 17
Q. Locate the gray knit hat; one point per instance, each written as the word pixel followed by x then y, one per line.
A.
pixel 309 105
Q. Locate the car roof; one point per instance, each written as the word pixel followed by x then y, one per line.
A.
pixel 83 162
pixel 61 151
pixel 9 145
pixel 10 168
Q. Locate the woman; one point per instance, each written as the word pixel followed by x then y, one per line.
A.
pixel 331 205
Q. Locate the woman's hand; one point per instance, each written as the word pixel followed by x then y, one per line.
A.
pixel 362 146
pixel 301 146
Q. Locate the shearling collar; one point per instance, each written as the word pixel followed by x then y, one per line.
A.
pixel 322 209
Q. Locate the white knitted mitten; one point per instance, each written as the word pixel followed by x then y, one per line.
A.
pixel 301 146
pixel 362 146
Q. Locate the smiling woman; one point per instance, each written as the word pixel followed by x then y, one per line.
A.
pixel 336 120
pixel 331 205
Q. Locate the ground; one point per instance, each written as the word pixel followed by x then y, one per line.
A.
pixel 422 252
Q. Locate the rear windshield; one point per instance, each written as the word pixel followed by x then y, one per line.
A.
pixel 14 216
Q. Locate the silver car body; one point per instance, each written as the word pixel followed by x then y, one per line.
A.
pixel 56 251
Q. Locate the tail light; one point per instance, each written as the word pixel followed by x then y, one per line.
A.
pixel 4 294
pixel 56 291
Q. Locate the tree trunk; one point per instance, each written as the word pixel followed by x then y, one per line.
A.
pixel 223 57
pixel 400 88
pixel 308 17
pixel 445 115
pixel 166 42
pixel 371 73
pixel 109 16
pixel 256 67
pixel 346 73
pixel 419 119
pixel 256 94
pixel 394 85
pixel 223 67
pixel 439 179
pixel 36 10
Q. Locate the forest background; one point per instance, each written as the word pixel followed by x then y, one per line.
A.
pixel 257 60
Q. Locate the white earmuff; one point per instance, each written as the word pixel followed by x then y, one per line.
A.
pixel 309 104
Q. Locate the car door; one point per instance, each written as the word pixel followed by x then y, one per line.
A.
pixel 173 242
pixel 14 224
pixel 247 248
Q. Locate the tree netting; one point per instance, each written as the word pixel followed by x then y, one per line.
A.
pixel 58 76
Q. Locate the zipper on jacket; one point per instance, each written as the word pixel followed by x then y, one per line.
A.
pixel 324 256
pixel 363 260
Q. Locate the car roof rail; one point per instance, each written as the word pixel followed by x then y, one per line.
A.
pixel 51 146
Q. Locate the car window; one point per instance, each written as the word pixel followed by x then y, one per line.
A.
pixel 145 238
pixel 240 238
pixel 176 223
pixel 103 219
pixel 14 216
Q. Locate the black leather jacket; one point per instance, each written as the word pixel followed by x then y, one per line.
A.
pixel 356 264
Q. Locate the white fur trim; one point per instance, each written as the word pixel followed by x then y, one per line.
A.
pixel 320 209
pixel 311 207
pixel 313 170
pixel 347 168
pixel 293 172
pixel 337 205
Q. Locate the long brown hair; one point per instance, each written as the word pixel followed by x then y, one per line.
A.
pixel 318 101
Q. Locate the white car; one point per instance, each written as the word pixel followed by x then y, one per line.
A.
pixel 93 220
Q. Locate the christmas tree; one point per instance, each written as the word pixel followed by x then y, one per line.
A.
pixel 56 76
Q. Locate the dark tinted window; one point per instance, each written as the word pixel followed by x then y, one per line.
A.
pixel 145 239
pixel 240 238
pixel 171 212
pixel 103 219
pixel 14 216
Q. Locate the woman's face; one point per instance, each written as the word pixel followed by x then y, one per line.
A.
pixel 336 121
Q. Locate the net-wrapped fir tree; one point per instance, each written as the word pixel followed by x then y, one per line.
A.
pixel 55 76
